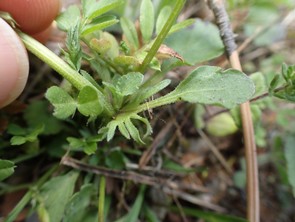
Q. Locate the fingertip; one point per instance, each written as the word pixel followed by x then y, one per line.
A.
pixel 33 16
pixel 14 65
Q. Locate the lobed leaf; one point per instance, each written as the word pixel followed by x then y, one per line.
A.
pixel 147 19
pixel 64 104
pixel 129 83
pixel 88 102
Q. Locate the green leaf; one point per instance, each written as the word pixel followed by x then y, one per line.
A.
pixel 289 155
pixel 211 85
pixel 88 102
pixel 115 160
pixel 67 19
pixel 150 215
pixel 74 51
pixel 129 83
pixel 64 104
pixel 162 18
pixel 181 25
pixel 90 148
pixel 6 169
pixel 51 124
pixel 127 61
pixel 198 43
pixel 152 90
pixel 93 8
pixel 273 84
pixel 221 125
pixel 99 24
pixel 56 194
pixel 147 19
pixel 259 82
pixel 31 136
pixel 134 212
pixel 208 216
pixel 127 128
pixel 133 131
pixel 77 208
pixel 130 33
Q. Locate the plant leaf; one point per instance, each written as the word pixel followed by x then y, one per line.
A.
pixel 51 124
pixel 99 8
pixel 56 194
pixel 152 90
pixel 129 83
pixel 209 216
pixel 129 32
pixel 67 19
pixel 211 85
pixel 64 104
pixel 147 19
pixel 289 155
pixel 198 43
pixel 99 24
pixel 77 208
pixel 6 169
pixel 181 25
pixel 162 18
pixel 88 102
pixel 134 212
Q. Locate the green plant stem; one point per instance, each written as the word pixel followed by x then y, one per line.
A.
pixel 55 62
pixel 101 201
pixel 161 101
pixel 61 67
pixel 11 189
pixel 162 35
pixel 28 196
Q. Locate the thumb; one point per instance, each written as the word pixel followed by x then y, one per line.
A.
pixel 14 65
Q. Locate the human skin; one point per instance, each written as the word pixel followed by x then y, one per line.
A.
pixel 33 17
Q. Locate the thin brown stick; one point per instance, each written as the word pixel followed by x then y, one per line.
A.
pixel 227 36
pixel 216 152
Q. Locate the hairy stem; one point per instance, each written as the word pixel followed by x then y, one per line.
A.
pixel 61 67
pixel 54 61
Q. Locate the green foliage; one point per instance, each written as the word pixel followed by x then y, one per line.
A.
pixel 117 76
pixel 134 212
pixel 210 216
pixel 55 194
pixel 78 206
pixel 6 169
pixel 202 42
pixel 289 155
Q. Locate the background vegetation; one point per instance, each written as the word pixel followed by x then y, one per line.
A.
pixel 64 157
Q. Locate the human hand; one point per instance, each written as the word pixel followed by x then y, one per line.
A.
pixel 33 17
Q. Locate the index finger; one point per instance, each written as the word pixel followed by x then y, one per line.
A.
pixel 33 16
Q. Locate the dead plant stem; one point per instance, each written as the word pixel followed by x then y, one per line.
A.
pixel 227 36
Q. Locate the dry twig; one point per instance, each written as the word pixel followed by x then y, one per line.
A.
pixel 227 36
